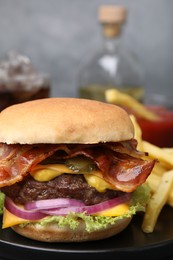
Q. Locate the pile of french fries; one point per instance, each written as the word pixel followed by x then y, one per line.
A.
pixel 161 178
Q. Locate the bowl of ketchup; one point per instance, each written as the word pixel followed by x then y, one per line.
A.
pixel 158 132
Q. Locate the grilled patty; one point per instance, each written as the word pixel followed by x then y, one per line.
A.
pixel 64 186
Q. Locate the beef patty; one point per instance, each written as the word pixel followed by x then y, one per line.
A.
pixel 64 186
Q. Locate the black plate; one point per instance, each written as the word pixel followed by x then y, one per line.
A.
pixel 132 243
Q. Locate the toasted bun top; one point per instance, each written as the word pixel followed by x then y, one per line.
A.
pixel 64 120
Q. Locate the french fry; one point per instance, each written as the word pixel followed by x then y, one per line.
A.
pixel 138 132
pixel 157 201
pixel 153 181
pixel 159 169
pixel 115 96
pixel 168 150
pixel 170 199
pixel 159 153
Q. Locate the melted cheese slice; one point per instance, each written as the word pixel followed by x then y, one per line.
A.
pixel 115 211
pixel 96 180
pixel 48 172
pixel 10 220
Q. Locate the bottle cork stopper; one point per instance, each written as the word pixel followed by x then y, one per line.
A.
pixel 111 14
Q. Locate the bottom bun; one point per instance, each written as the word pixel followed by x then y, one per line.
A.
pixel 53 233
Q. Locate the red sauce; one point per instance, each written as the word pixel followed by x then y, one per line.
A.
pixel 158 132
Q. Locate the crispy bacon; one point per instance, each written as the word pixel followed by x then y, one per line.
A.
pixel 119 162
pixel 17 160
pixel 123 171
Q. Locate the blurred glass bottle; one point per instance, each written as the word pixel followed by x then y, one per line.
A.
pixel 113 66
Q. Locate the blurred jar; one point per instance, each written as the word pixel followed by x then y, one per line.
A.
pixel 113 66
pixel 159 132
pixel 20 81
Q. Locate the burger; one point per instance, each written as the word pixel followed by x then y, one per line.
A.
pixel 70 170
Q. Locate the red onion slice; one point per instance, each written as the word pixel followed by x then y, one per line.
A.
pixel 22 213
pixel 52 203
pixel 88 209
pixel 78 207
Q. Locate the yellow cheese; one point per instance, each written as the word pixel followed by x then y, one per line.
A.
pixel 10 220
pixel 95 180
pixel 115 211
pixel 48 172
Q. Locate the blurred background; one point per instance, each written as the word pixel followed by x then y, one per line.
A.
pixel 57 36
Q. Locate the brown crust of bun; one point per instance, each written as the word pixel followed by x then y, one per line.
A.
pixel 51 233
pixel 64 120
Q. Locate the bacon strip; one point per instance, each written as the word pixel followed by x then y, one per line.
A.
pixel 119 162
pixel 17 160
pixel 123 171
